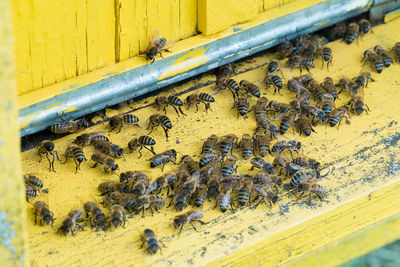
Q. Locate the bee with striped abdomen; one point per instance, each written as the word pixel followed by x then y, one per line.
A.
pixel 109 148
pixel 68 126
pixel 87 138
pixel 206 158
pixel 385 55
pixel 374 59
pixel 112 186
pixel 242 106
pixel 142 142
pixel 261 142
pixel 158 44
pixel 30 192
pixel 158 119
pixel 244 193
pixel 162 102
pixel 70 223
pixel 250 88
pixel 275 81
pixel 200 195
pixel 188 218
pixel 326 54
pixel 301 62
pixel 303 125
pixel 330 87
pixel 210 144
pixel 224 199
pixel 229 165
pixel 46 147
pixel 105 160
pixel 287 120
pixel 163 158
pixel 76 153
pixel 266 194
pixel 117 121
pixel 95 214
pixel 351 33
pixel 33 181
pixel 336 116
pixel 273 66
pixel 262 164
pixel 363 78
pixel 357 104
pixel 42 210
pixel 365 26
pixel 226 144
pixel 247 146
pixel 311 187
pixel 348 85
pixel 327 103
pixel 290 145
pixel 196 99
pixel 117 215
pixel 150 239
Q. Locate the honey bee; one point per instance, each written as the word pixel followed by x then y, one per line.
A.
pixel 162 102
pixel 269 127
pixel 351 33
pixel 188 218
pixel 336 116
pixel 278 107
pixel 151 201
pixel 47 147
pixel 163 158
pixel 275 81
pixel 109 148
pixel 224 199
pixel 330 87
pixel 142 142
pixel 307 163
pixel 111 186
pixel 286 49
pixel 311 47
pixel 196 99
pixel 287 120
pixel 232 85
pixel 42 210
pixel 132 176
pixel 244 194
pixel 206 158
pixel 266 194
pixel 295 86
pixel 226 144
pixel 30 192
pixel 191 165
pixel 315 113
pixel 33 181
pixel 301 62
pixel 362 79
pixel 246 144
pixel 365 26
pixel 87 138
pixel 290 145
pixel 71 222
pixel 117 121
pixel 242 105
pixel 128 201
pixel 326 54
pixel 396 50
pixel 76 153
pixel 158 44
pixel 385 55
pixel 304 80
pixel 95 214
pixel 311 187
pixel 166 180
pixel 273 66
pixel 337 32
pixel 140 186
pixel 281 162
pixel 68 126
pixel 260 108
pixel 180 199
pixel 158 119
pixel 348 85
pixel 210 144
pixel 261 142
pixel 302 175
pixel 327 103
pixel 317 90
pixel 105 160
pixel 262 164
pixel 226 70
pixel 304 125
pixel 150 239
pixel 200 195
pixel 265 179
pixel 250 88
pixel 117 215
pixel 213 185
pixel 229 166
pixel 209 170
pixel 357 104
pixel 374 59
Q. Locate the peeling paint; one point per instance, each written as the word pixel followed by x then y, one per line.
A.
pixel 7 234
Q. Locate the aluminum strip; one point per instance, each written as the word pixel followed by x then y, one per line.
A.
pixel 186 64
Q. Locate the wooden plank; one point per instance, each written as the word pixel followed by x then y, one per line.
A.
pixel 363 158
pixel 13 237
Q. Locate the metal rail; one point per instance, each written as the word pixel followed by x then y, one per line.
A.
pixel 170 70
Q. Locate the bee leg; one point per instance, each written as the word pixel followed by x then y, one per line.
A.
pixel 197 107
pixel 176 110
pixel 181 111
pixel 180 229
pixel 170 202
pixel 367 107
pixel 319 196
pixel 94 166
pixel 66 158
pixel 77 166
pixel 47 156
pixel 193 226
pixel 35 217
pixel 119 128
pixel 309 198
pixel 140 152
pixel 302 193
pixel 142 244
pixel 166 132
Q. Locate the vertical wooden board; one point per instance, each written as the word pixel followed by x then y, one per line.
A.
pixel 128 33
pixel 269 4
pixel 141 24
pixel 187 18
pixel 20 17
pixel 81 47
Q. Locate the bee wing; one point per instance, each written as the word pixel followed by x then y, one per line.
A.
pixel 156 35
pixel 169 45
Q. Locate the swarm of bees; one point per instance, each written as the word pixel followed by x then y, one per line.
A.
pixel 215 176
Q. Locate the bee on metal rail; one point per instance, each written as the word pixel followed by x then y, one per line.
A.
pixel 261 142
pixel 117 215
pixel 163 158
pixel 210 144
pixel 196 99
pixel 363 78
pixel 247 146
pixel 76 153
pixel 95 214
pixel 396 50
pixel 357 104
pixel 150 239
pixel 365 26
pixel 42 210
pixel 162 102
pixel 142 142
pixel 374 59
pixel 33 181
pixel 242 105
pixel 158 119
pixel 275 81
pixel 71 222
pixel 385 55
pixel 47 147
pixel 85 139
pixel 68 126
pixel 158 44
pixel 262 164
pixel 117 121
pixel 188 218
pixel 301 62
pixel 105 160
pixel 351 33
pixel 250 88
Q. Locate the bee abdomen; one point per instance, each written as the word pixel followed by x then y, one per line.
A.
pixel 146 140
pixel 350 37
pixel 326 53
pixel 174 100
pixel 99 138
pixel 206 97
pixel 30 192
pixel 284 126
pixel 78 154
pixel 232 84
pixel 277 81
pixel 226 171
pixel 333 120
pixel 204 161
pixel 327 108
pixel 224 203
pixel 387 61
pixel 243 196
pixel 272 66
pixel 130 119
pixel 247 152
pixel 165 121
pixel 263 150
pixel 242 109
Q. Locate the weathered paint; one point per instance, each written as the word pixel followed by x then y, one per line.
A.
pixel 12 208
pixel 362 157
pixel 57 109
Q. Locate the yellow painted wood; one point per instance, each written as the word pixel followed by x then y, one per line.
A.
pixel 13 237
pixel 363 187
pixel 356 245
